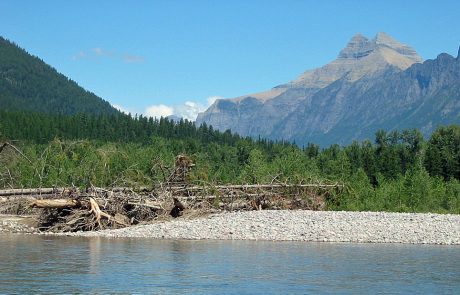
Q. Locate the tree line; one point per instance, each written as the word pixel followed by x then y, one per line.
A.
pixel 397 171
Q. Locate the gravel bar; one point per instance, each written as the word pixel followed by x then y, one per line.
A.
pixel 318 226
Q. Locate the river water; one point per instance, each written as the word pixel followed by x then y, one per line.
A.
pixel 47 265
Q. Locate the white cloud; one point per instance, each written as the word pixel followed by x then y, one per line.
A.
pixel 188 110
pixel 158 111
pixel 98 53
pixel 128 58
pixel 79 55
pixel 102 52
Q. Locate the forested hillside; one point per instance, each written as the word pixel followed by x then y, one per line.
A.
pixel 27 83
pixel 399 171
pixel 41 128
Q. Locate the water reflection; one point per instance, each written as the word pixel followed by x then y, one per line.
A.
pixel 94 255
pixel 40 264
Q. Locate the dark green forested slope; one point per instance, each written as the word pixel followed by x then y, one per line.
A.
pixel 41 128
pixel 27 83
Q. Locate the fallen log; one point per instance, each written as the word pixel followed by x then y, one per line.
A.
pixel 175 188
pixel 63 190
pixel 120 189
pixel 55 203
pixel 154 207
pixel 256 186
pixel 31 191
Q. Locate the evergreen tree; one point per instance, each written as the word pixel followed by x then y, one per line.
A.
pixel 442 156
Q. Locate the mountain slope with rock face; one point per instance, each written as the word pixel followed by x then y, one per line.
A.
pixel 423 96
pixel 373 84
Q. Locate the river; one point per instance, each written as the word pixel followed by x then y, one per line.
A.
pixel 47 265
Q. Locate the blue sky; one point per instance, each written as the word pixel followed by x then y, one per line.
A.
pixel 162 57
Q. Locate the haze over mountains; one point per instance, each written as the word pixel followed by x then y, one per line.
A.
pixel 373 84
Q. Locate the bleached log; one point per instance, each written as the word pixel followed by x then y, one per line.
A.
pixel 256 186
pixel 62 190
pixel 146 205
pixel 224 196
pixel 121 189
pixel 27 191
pixel 55 203
pixel 36 191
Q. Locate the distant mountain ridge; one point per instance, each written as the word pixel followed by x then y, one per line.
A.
pixel 29 84
pixel 359 58
pixel 373 84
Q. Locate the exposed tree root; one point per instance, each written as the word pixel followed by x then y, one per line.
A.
pixel 99 214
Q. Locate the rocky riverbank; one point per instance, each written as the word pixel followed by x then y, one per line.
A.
pixel 300 225
pixel 17 224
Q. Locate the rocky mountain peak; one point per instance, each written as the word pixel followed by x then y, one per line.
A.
pixel 361 57
pixel 357 47
pixel 383 38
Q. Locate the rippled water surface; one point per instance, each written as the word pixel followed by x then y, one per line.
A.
pixel 39 264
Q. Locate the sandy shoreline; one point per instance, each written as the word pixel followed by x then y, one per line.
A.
pixel 322 226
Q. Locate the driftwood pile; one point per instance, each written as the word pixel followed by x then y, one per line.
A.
pixel 69 209
pixel 72 209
